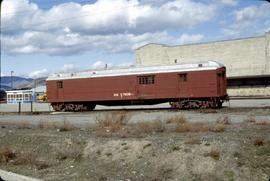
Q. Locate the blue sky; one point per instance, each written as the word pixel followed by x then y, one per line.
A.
pixel 42 37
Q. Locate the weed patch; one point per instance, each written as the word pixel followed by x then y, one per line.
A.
pixel 192 127
pixel 24 125
pixel 193 141
pixel 178 120
pixel 112 122
pixel 30 158
pixel 150 127
pixel 65 126
pixel 250 119
pixel 218 127
pixel 215 154
pixel 263 150
pixel 259 142
pixel 118 126
pixel 224 120
pixel 6 154
pixel 263 123
pixel 74 152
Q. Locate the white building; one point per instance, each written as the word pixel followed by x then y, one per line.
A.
pixel 22 96
pixel 25 96
pixel 247 61
pixel 242 57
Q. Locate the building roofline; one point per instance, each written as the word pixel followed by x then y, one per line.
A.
pixel 201 43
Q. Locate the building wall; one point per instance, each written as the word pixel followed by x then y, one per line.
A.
pixel 267 52
pixel 249 92
pixel 242 57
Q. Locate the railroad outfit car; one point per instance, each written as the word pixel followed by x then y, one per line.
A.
pixel 184 86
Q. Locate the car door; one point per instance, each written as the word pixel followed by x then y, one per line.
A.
pixel 60 90
pixel 183 85
pixel 145 86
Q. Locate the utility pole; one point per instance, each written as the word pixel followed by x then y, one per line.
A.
pixel 11 79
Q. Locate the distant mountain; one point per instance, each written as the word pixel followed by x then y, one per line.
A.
pixel 18 82
pixel 4 87
pixel 34 83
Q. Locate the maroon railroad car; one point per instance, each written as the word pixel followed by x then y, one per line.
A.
pixel 184 86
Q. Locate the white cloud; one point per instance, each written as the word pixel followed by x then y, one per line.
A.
pixel 230 2
pixel 100 65
pixel 106 17
pixel 39 73
pixel 185 38
pixel 113 26
pixel 53 44
pixel 248 13
pixel 126 64
pixel 231 32
pixel 69 68
pixel 248 20
pixel 252 13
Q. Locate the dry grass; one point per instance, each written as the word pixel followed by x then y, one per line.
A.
pixel 74 152
pixel 224 120
pixel 164 172
pixel 215 154
pixel 218 127
pixel 6 154
pixel 175 148
pixel 47 125
pixel 205 111
pixel 262 122
pixel 65 126
pixel 116 124
pixel 259 142
pixel 192 127
pixel 112 122
pixel 30 158
pixel 24 125
pixel 182 125
pixel 139 129
pixel 250 119
pixel 148 127
pixel 178 120
pixel 27 158
pixel 193 141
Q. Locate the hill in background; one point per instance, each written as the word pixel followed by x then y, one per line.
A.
pixel 21 82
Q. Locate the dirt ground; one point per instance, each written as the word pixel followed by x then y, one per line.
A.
pixel 162 150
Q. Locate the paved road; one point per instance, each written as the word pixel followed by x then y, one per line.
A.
pixel 239 111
